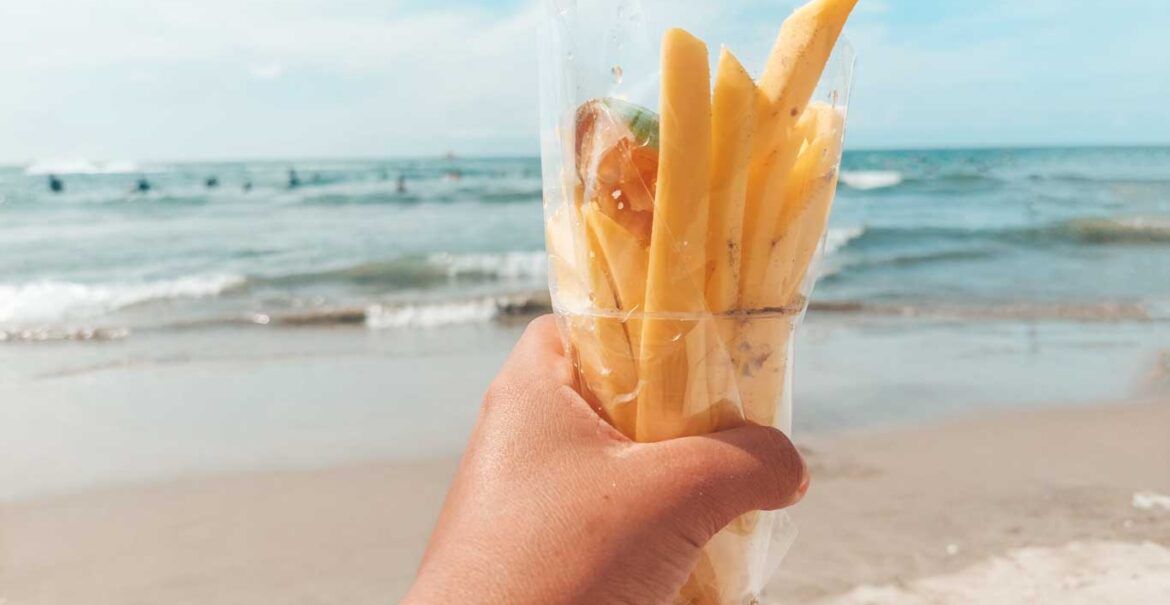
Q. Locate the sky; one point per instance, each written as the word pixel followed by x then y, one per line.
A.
pixel 238 79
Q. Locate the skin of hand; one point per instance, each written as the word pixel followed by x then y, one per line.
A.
pixel 553 506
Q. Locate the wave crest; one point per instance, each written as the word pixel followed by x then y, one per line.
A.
pixel 865 180
pixel 437 269
pixel 455 312
pixel 513 265
pixel 838 238
pixel 79 166
pixel 55 301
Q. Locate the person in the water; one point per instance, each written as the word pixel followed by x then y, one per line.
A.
pixel 212 182
pixel 56 185
pixel 401 183
pixel 294 180
pixel 247 185
pixel 143 185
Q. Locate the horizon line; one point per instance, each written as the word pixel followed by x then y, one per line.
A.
pixel 536 155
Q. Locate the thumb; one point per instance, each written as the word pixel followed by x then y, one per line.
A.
pixel 713 479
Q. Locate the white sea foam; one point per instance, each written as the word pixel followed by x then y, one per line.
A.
pixel 838 238
pixel 54 301
pixel 871 179
pixel 79 166
pixel 511 265
pixel 1151 501
pixel 432 315
pixel 835 240
pixel 1079 573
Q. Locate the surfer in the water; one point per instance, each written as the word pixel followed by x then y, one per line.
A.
pixel 212 182
pixel 143 185
pixel 56 185
pixel 401 183
pixel 294 180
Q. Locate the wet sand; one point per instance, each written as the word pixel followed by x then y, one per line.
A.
pixel 887 508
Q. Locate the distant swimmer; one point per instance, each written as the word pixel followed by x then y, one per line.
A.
pixel 294 181
pixel 401 183
pixel 247 186
pixel 453 175
pixel 212 182
pixel 143 185
pixel 56 185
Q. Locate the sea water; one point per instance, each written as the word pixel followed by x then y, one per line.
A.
pixel 1047 233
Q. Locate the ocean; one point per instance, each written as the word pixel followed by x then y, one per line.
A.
pixel 1080 234
pixel 190 329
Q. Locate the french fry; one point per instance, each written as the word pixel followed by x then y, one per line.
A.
pixel 677 270
pixel 790 76
pixel 624 260
pixel 733 117
pixel 811 203
pixel 764 342
pixel 600 346
pixel 733 120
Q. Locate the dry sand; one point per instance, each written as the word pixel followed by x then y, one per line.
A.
pixel 910 516
pixel 887 508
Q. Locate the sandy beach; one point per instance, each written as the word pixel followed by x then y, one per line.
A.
pixel 259 265
pixel 894 516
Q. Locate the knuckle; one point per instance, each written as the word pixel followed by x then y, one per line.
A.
pixel 498 391
pixel 782 467
pixel 539 326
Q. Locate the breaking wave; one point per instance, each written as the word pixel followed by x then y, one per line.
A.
pixel 866 180
pixel 57 301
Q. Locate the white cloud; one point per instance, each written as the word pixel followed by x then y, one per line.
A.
pixel 174 78
pixel 394 82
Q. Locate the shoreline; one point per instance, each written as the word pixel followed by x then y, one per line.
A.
pixel 523 305
pixel 353 533
pixel 205 401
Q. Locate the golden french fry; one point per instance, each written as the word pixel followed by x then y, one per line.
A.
pixel 677 269
pixel 802 49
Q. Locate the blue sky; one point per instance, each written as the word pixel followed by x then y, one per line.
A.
pixel 172 79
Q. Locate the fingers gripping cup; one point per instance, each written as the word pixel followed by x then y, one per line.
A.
pixel 685 202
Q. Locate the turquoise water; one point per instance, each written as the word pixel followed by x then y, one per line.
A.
pixel 1056 233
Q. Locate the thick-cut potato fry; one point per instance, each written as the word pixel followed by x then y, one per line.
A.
pixel 733 119
pixel 677 269
pixel 802 49
pixel 600 347
pixel 624 260
pixel 764 343
pixel 811 174
pixel 811 206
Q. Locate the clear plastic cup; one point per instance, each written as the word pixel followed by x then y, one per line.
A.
pixel 676 358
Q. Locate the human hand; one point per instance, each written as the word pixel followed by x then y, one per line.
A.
pixel 553 506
